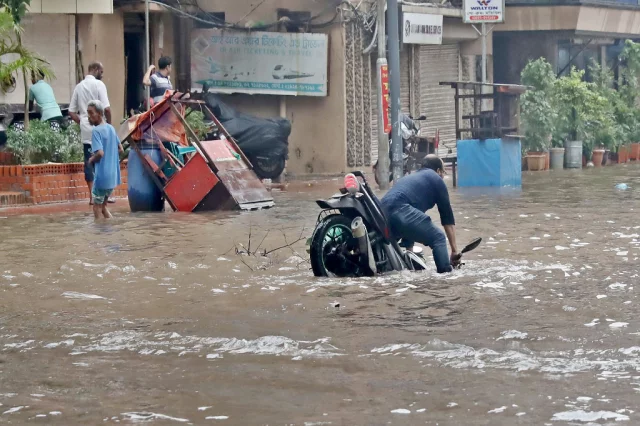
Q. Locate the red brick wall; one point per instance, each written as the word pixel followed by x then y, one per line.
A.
pixel 52 183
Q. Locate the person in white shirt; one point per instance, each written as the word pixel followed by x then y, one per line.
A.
pixel 90 89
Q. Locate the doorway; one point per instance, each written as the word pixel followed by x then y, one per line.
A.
pixel 134 52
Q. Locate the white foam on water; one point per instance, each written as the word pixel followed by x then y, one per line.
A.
pixel 617 286
pixel 608 364
pixel 401 411
pixel 147 343
pixel 601 296
pixel 497 410
pixel 561 248
pixel 214 356
pixel 144 417
pixel 216 418
pixel 204 408
pixel 421 410
pixel 218 290
pixel 38 395
pixel 618 324
pixel 588 416
pixel 452 404
pixel 13 410
pixel 55 413
pixel 81 296
pixel 583 399
pixel 512 334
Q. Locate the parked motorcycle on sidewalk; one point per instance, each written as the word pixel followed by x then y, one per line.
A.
pixel 352 237
pixel 410 128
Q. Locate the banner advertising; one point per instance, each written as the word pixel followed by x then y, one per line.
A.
pixel 293 64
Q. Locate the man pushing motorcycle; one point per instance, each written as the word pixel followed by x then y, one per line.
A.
pixel 406 205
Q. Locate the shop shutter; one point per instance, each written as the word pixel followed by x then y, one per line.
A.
pixel 439 63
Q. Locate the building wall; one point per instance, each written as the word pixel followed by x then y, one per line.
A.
pixel 513 50
pixel 317 142
pixel 101 38
pixel 53 38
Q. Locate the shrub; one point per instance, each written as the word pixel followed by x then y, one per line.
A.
pixel 42 145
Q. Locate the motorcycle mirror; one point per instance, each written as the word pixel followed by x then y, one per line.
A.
pixel 421 118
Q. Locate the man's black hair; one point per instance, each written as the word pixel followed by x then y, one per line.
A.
pixel 164 62
pixel 432 162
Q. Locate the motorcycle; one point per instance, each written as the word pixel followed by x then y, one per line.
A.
pixel 410 128
pixel 263 140
pixel 352 237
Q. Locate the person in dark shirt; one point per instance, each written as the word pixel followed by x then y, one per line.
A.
pixel 406 204
pixel 159 82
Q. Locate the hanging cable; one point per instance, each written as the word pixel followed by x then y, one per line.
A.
pixel 373 41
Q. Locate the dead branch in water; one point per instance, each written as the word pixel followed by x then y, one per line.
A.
pixel 260 252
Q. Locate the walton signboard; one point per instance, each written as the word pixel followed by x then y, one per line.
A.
pixel 483 11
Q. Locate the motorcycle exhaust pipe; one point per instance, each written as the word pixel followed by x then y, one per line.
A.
pixel 359 232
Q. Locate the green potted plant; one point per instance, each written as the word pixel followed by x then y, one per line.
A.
pixel 582 112
pixel 537 114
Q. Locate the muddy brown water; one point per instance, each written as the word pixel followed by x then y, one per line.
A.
pixel 154 318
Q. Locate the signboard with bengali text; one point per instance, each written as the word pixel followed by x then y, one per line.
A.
pixel 293 64
pixel 386 112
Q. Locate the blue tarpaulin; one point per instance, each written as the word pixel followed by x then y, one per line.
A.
pixel 490 162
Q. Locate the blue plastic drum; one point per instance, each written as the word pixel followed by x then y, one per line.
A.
pixel 144 195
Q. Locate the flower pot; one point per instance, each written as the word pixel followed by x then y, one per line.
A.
pixel 597 157
pixel 622 154
pixel 536 161
pixel 635 152
pixel 547 164
pixel 557 158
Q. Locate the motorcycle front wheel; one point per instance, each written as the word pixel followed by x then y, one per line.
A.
pixel 268 167
pixel 328 243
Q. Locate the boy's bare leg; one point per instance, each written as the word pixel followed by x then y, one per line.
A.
pixel 105 211
pixel 97 210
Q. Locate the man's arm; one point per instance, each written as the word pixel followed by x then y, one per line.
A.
pixel 31 99
pixel 75 117
pixel 96 156
pixel 446 216
pixel 96 147
pixel 102 97
pixel 146 80
pixel 73 107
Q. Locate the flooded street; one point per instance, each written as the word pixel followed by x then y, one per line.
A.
pixel 155 318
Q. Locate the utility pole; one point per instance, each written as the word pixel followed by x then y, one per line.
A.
pixel 383 138
pixel 484 52
pixel 394 76
pixel 148 49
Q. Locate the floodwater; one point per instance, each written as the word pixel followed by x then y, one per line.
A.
pixel 155 318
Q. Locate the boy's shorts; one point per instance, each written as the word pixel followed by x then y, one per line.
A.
pixel 100 196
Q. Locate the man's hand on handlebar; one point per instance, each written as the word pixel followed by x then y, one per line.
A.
pixel 455 259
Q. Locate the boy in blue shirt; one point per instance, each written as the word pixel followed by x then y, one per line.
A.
pixel 105 147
